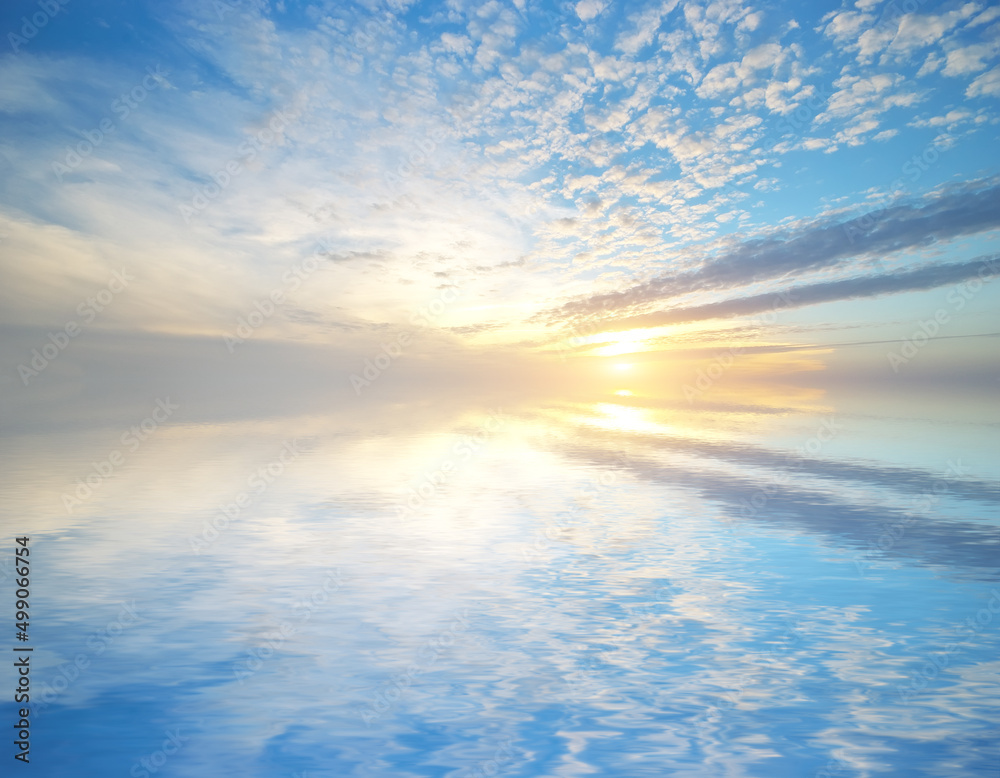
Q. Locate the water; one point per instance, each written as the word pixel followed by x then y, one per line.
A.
pixel 616 585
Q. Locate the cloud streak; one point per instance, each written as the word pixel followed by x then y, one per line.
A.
pixel 815 246
pixel 924 278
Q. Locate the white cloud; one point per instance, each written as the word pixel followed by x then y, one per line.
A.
pixel 986 16
pixel 855 93
pixel 813 144
pixel 750 22
pixel 719 80
pixel 859 101
pixel 900 38
pixel 644 26
pixel 871 42
pixel 706 24
pixel 590 9
pixel 730 76
pixel 767 55
pixel 848 25
pixel 779 97
pixel 969 59
pixel 456 44
pixel 931 65
pixel 611 121
pixel 916 31
pixel 986 85
pixel 950 119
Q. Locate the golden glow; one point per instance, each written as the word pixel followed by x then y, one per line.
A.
pixel 622 343
pixel 621 417
pixel 623 366
pixel 623 393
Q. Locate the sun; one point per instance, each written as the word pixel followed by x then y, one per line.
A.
pixel 623 366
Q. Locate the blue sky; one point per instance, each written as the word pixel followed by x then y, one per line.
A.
pixel 562 170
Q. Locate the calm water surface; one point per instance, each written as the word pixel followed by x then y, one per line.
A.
pixel 619 586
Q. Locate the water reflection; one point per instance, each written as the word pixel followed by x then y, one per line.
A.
pixel 620 586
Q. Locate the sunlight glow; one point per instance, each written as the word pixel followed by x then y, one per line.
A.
pixel 624 419
pixel 623 343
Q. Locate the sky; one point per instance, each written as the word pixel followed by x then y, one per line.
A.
pixel 254 191
pixel 734 262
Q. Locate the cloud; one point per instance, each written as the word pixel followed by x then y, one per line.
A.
pixel 750 22
pixel 456 44
pixel 916 32
pixel 986 16
pixel 986 85
pixel 860 100
pixel 814 246
pixel 768 55
pixel 590 9
pixel 870 42
pixel 561 110
pixel 644 26
pixel 931 65
pixel 783 97
pixel 847 26
pixel 856 93
pixel 730 76
pixel 969 59
pixel 720 79
pixel 930 277
pixel 950 119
